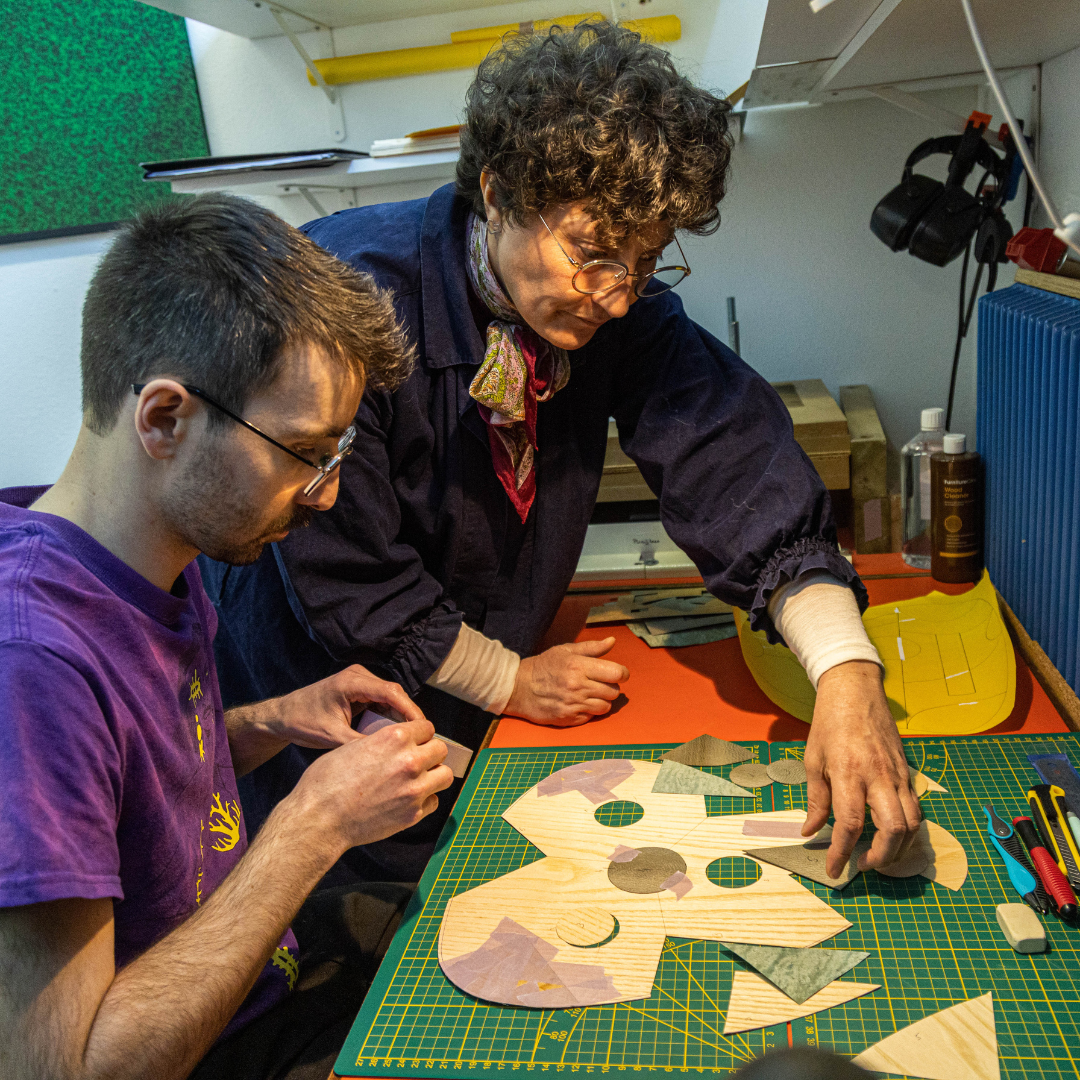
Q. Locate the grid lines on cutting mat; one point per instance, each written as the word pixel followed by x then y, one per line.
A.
pixel 932 948
pixel 423 1025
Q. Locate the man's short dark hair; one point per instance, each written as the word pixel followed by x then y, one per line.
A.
pixel 597 114
pixel 212 289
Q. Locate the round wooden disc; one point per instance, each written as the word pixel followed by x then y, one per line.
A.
pixel 787 771
pixel 918 857
pixel 586 926
pixel 750 776
pixel 647 871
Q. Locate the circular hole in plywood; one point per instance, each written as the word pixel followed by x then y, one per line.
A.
pixel 587 928
pixel 619 814
pixel 733 872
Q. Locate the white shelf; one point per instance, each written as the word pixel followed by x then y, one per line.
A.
pixel 358 173
pixel 253 19
pixel 852 46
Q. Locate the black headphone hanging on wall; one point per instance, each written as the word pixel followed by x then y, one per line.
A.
pixel 935 221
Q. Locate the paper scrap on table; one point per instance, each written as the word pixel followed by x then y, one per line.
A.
pixel 658 604
pixel 457 756
pixel 949 663
pixel 718 632
pixel 686 622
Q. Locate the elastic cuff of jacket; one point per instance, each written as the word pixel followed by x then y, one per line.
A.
pixel 788 564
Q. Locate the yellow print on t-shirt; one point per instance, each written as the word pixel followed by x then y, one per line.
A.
pixel 199 872
pixel 195 693
pixel 285 960
pixel 225 819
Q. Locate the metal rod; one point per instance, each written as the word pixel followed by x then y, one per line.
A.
pixel 732 327
pixel 312 201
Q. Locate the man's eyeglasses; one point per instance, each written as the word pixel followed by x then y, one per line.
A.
pixel 327 464
pixel 599 275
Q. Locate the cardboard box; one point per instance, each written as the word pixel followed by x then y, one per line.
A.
pixel 621 480
pixel 821 429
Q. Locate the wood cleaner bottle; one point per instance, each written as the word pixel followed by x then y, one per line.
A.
pixel 956 515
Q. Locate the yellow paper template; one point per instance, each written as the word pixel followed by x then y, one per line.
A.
pixel 949 663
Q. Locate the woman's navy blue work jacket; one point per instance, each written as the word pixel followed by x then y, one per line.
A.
pixel 423 535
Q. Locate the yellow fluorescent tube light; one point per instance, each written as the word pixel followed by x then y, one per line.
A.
pixel 485 33
pixel 460 54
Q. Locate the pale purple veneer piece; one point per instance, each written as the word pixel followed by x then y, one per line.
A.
pixel 511 965
pixel 594 779
pixel 787 829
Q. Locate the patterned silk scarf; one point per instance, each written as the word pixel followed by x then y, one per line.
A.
pixel 520 368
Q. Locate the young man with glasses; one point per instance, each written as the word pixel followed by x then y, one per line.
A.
pixel 539 291
pixel 224 357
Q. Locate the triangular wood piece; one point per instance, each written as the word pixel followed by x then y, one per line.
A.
pixel 799 973
pixel 707 750
pixel 921 783
pixel 808 861
pixel 936 854
pixel 955 1044
pixel 755 1003
pixel 676 779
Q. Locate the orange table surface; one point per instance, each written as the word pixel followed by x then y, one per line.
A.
pixel 676 694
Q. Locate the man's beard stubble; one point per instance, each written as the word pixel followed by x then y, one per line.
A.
pixel 206 509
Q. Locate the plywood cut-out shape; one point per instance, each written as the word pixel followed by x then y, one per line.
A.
pixel 949 663
pixel 585 927
pixel 959 1043
pixel 921 783
pixel 808 861
pixel 677 779
pixel 756 1003
pixel 707 750
pixel 799 973
pixel 936 854
pixel 590 868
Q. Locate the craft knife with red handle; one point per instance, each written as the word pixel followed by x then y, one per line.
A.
pixel 1054 881
pixel 1054 830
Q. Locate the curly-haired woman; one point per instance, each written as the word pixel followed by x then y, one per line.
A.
pixel 539 293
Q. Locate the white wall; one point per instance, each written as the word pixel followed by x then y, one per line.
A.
pixel 818 295
pixel 42 285
pixel 1059 160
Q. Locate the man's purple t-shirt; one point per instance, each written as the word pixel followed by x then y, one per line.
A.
pixel 118 779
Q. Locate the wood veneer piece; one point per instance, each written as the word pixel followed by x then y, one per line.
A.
pixel 798 973
pixel 959 1043
pixel 808 860
pixel 936 854
pixel 921 783
pixel 756 1003
pixel 707 750
pixel 751 775
pixel 787 771
pixel 585 926
pixel 675 778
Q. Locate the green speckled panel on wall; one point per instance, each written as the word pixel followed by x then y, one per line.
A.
pixel 88 89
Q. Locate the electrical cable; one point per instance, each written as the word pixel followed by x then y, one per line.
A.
pixel 1060 229
pixel 964 321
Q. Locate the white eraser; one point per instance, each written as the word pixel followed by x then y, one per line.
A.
pixel 1021 928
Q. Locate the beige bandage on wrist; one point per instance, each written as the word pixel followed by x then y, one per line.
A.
pixel 478 670
pixel 818 618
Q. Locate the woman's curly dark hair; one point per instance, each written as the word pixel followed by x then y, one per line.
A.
pixel 596 114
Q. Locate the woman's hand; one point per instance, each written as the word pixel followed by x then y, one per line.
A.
pixel 567 685
pixel 854 758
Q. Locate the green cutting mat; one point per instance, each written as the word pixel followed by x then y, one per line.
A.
pixel 930 948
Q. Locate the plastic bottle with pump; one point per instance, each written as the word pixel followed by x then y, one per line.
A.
pixel 915 487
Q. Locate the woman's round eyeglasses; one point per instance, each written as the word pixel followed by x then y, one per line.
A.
pixel 599 275
pixel 327 463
